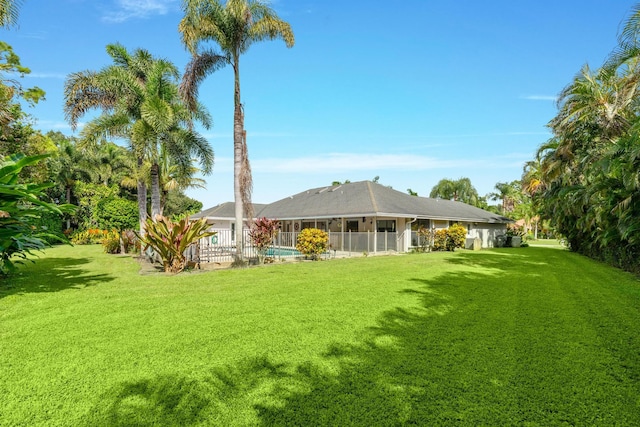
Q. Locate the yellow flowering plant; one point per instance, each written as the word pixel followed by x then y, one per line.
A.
pixel 312 242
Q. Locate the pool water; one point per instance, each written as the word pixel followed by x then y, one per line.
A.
pixel 282 252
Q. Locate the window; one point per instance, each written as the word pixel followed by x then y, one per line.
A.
pixel 386 225
pixel 421 223
pixel 352 226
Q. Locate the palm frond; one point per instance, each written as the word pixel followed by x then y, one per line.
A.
pixel 200 66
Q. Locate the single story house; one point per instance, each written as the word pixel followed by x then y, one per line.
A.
pixel 367 214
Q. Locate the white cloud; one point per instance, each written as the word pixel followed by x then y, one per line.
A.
pixel 46 75
pixel 131 9
pixel 540 97
pixel 55 125
pixel 346 162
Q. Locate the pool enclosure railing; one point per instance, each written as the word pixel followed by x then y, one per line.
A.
pixel 221 247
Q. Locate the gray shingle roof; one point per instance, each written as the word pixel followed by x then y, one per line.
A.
pixel 357 199
pixel 225 210
pixel 366 198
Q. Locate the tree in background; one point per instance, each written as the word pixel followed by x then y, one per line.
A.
pixel 177 205
pixel 460 190
pixel 108 164
pixel 16 134
pixel 510 194
pixel 234 27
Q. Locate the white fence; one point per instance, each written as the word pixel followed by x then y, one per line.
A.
pixel 221 248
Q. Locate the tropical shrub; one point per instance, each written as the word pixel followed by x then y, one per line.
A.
pixel 457 237
pixel 111 242
pixel 262 233
pixel 170 240
pixel 440 238
pixel 117 213
pixel 312 242
pixel 449 239
pixel 51 221
pixel 129 241
pixel 91 236
pixel 21 206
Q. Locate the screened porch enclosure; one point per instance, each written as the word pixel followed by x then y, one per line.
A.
pixel 221 247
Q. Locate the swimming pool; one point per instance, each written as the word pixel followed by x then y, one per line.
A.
pixel 282 252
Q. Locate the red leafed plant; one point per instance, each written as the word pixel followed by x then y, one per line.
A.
pixel 262 232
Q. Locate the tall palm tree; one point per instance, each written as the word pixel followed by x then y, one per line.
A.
pixel 139 99
pixel 234 27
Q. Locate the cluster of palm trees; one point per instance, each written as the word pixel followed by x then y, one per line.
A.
pixel 586 178
pixel 144 103
pixel 140 103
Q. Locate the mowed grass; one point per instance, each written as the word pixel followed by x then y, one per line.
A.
pixel 527 336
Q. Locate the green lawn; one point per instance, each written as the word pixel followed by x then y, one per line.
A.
pixel 527 336
pixel 546 243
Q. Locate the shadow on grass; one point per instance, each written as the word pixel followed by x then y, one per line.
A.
pixel 220 396
pixel 455 359
pixel 52 275
pixel 460 359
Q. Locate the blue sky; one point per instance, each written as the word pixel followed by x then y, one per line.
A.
pixel 411 91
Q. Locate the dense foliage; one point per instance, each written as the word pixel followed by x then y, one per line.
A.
pixel 587 177
pixel 139 100
pixel 21 207
pixel 312 242
pixel 117 213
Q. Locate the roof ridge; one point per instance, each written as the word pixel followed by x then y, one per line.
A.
pixel 373 198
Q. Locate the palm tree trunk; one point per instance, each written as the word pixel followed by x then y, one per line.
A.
pixel 163 200
pixel 238 129
pixel 68 200
pixel 142 200
pixel 155 191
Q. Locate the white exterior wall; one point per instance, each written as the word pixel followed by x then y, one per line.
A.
pixel 487 233
pixel 439 225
